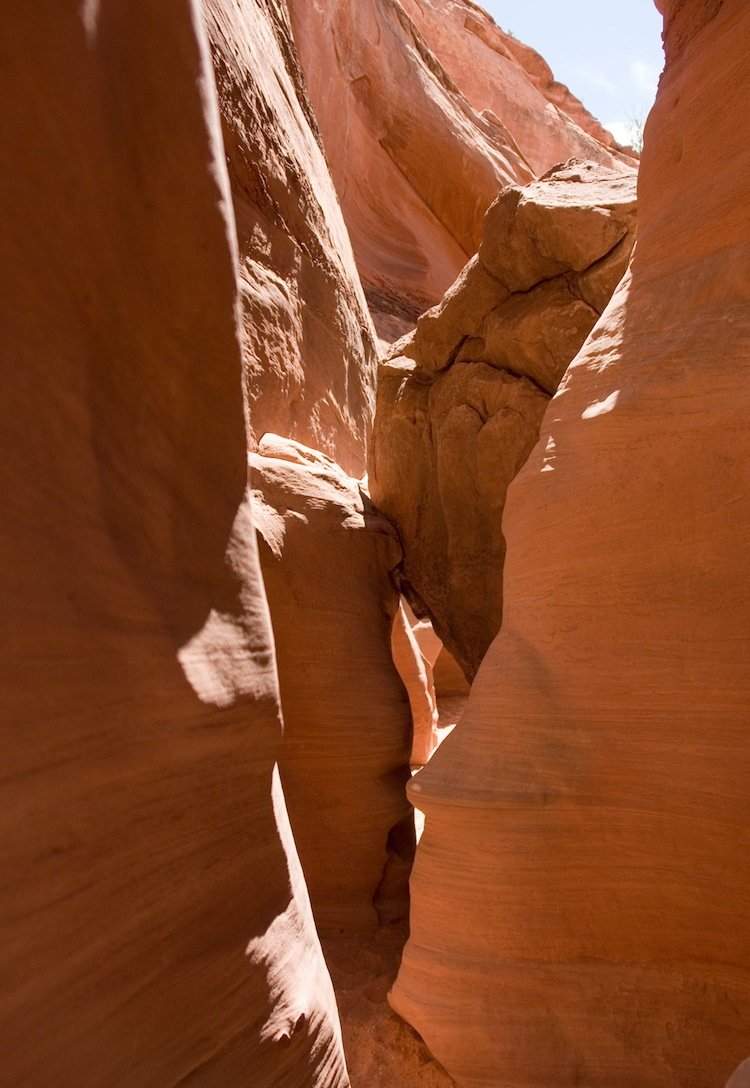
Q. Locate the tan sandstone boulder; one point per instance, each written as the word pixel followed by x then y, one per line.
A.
pixel 461 400
pixel 327 557
pixel 580 896
pixel 155 925
pixel 309 355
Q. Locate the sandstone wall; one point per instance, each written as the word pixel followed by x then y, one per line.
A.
pixel 426 111
pixel 326 556
pixel 156 927
pixel 309 357
pixel 580 898
pixel 503 76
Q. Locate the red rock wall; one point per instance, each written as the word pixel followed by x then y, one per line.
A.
pixel 156 928
pixel 389 114
pixel 309 356
pixel 580 897
pixel 500 74
pixel 327 557
pixel 426 111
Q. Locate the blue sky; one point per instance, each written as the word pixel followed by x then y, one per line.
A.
pixel 607 51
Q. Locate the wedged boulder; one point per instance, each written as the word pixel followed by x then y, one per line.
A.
pixel 308 342
pixel 580 895
pixel 327 557
pixel 461 399
pixel 388 113
pixel 156 927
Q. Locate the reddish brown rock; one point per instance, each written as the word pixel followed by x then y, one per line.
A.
pixel 460 401
pixel 503 77
pixel 327 557
pixel 580 897
pixel 400 85
pixel 309 356
pixel 741 1077
pixel 388 113
pixel 156 927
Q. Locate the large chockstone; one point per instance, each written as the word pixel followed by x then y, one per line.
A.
pixel 155 924
pixel 461 399
pixel 581 895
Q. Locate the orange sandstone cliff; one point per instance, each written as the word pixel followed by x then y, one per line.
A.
pixel 426 110
pixel 156 926
pixel 580 897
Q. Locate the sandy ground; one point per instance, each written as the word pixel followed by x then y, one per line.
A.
pixel 382 1051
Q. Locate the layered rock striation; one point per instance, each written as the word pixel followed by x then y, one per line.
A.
pixel 461 400
pixel 327 557
pixel 156 926
pixel 580 898
pixel 505 79
pixel 426 111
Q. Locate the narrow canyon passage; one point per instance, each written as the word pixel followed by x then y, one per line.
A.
pixel 376 618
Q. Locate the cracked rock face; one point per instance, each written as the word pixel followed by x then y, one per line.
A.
pixel 461 400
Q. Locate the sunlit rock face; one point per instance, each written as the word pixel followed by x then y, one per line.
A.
pixel 327 556
pixel 427 110
pixel 505 79
pixel 308 343
pixel 156 928
pixel 461 400
pixel 580 896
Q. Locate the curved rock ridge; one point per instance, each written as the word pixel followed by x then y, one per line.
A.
pixel 389 114
pixel 501 76
pixel 461 400
pixel 309 354
pixel 156 927
pixel 327 556
pixel 580 896
pixel 426 111
pixel 741 1077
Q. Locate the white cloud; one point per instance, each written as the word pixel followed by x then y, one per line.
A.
pixel 621 130
pixel 645 78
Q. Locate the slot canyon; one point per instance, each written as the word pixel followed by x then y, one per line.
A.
pixel 376 564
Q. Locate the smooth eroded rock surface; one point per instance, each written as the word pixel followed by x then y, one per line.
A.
pixel 309 356
pixel 580 902
pixel 461 400
pixel 388 113
pixel 400 86
pixel 504 78
pixel 327 556
pixel 156 927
